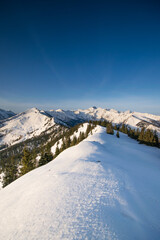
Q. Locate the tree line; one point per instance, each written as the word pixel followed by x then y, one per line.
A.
pixel 14 169
pixel 143 136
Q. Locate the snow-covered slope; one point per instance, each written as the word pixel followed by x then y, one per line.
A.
pixel 6 114
pixel 102 188
pixel 23 126
pixel 33 122
pixel 81 129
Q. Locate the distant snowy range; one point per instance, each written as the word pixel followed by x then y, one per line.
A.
pixel 102 187
pixel 33 122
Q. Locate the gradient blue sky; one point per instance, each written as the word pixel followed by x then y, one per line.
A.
pixel 76 54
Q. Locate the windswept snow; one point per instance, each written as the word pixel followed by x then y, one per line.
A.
pixel 102 188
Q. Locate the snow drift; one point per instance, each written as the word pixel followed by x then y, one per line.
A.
pixel 102 188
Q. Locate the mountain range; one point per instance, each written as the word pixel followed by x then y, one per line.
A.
pixel 6 114
pixel 16 128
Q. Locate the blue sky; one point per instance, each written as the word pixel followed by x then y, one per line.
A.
pixel 77 54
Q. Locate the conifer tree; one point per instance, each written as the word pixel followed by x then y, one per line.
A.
pixel 81 137
pixel 10 172
pixel 148 137
pixel 141 136
pixel 110 129
pixel 137 133
pixel 115 127
pixel 27 162
pixel 89 127
pixel 117 134
pixel 74 141
pixel 45 158
pixel 123 128
pixel 34 155
pixel 68 142
pixel 63 145
pixel 104 124
pixel 57 152
pixel 156 139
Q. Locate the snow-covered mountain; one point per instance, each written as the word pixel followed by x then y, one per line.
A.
pixel 103 188
pixel 132 119
pixel 33 121
pixel 6 114
pixel 24 126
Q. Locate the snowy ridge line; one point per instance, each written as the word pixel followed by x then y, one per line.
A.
pixel 103 188
pixel 81 129
pixel 65 139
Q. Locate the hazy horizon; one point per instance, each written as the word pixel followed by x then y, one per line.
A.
pixel 77 54
pixel 43 107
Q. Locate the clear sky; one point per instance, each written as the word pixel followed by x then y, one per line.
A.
pixel 76 54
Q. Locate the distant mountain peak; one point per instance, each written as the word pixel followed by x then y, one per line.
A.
pixel 34 109
pixel 59 110
pixel 6 114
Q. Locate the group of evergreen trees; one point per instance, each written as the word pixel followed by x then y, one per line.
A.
pixel 14 169
pixel 48 137
pixel 67 142
pixel 10 172
pixel 109 129
pixel 145 136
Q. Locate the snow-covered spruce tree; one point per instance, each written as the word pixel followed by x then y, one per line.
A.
pixel 27 162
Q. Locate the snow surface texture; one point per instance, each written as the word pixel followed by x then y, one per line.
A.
pixel 33 122
pixel 102 188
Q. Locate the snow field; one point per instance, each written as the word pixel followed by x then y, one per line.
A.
pixel 102 188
